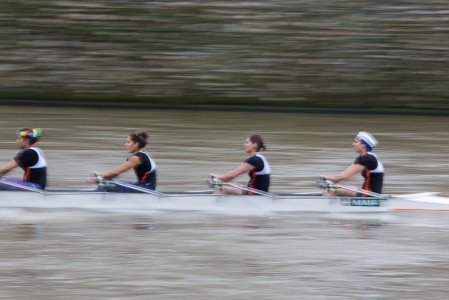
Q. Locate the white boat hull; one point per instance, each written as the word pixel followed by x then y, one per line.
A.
pixel 209 202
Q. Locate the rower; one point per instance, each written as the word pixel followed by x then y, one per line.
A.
pixel 141 161
pixel 30 158
pixel 256 166
pixel 367 164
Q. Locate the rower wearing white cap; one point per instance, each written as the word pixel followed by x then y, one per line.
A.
pixel 367 163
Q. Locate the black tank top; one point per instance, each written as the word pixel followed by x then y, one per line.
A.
pixel 146 171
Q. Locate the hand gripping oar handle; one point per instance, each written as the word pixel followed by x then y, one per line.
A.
pixel 214 181
pixel 21 186
pixel 326 183
pixel 130 186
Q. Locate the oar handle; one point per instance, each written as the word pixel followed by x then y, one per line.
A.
pixel 328 184
pixel 95 178
pixel 214 182
pixel 325 183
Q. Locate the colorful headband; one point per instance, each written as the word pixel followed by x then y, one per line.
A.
pixel 30 133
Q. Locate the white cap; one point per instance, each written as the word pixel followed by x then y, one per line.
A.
pixel 367 138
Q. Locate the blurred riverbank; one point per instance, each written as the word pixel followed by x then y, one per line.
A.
pixel 301 54
pixel 223 108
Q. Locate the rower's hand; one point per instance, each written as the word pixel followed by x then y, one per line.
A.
pixel 324 182
pixel 214 182
pixel 94 178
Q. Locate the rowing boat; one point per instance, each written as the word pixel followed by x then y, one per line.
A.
pixel 143 199
pixel 206 201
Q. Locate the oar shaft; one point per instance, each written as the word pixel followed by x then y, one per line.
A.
pixel 135 187
pixel 21 186
pixel 215 181
pixel 358 190
pixel 251 190
pixel 326 183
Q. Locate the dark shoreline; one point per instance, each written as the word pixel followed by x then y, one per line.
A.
pixel 229 108
pixel 333 57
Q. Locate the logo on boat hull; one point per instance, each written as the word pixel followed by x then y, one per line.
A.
pixel 362 201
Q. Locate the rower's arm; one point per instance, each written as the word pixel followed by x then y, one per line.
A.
pixel 243 168
pixel 8 167
pixel 134 161
pixel 346 174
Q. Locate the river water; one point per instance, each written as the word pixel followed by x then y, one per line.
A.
pixel 80 254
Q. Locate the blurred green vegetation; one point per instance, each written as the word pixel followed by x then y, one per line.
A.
pixel 301 53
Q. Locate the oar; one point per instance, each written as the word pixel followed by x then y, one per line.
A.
pixel 329 184
pixel 361 191
pixel 252 190
pixel 21 186
pixel 134 187
pixel 216 181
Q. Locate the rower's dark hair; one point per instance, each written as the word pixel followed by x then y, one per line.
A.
pixel 257 139
pixel 139 137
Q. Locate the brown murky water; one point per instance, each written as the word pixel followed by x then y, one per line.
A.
pixel 73 254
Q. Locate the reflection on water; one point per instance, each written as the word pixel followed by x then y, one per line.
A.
pixel 201 256
pixel 79 254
